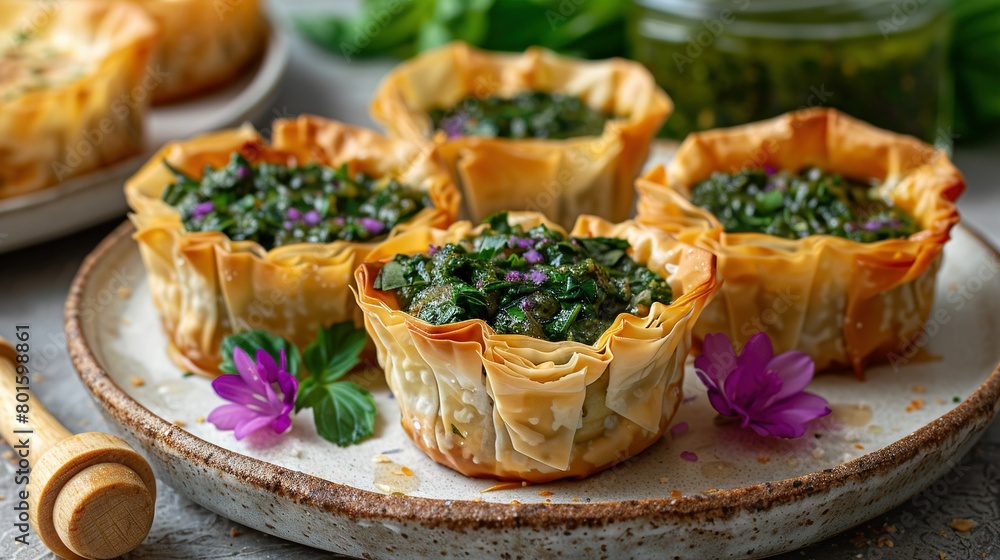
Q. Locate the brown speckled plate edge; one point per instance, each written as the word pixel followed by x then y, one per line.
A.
pixel 975 413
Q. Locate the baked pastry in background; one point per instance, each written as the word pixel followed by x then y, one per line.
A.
pixel 204 44
pixel 237 234
pixel 556 167
pixel 69 77
pixel 828 230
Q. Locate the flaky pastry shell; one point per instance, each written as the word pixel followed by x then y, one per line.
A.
pixel 842 302
pixel 561 178
pixel 89 114
pixel 520 408
pixel 204 44
pixel 207 286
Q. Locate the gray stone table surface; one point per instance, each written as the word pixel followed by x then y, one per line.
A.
pixel 34 283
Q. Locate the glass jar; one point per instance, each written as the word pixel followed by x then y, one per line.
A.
pixel 729 62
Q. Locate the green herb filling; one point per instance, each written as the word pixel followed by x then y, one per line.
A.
pixel 793 206
pixel 277 205
pixel 525 115
pixel 538 282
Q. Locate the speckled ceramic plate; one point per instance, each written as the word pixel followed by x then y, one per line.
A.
pixel 745 496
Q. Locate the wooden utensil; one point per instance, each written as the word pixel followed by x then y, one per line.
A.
pixel 90 495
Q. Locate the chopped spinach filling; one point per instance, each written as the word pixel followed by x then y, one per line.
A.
pixel 538 282
pixel 533 114
pixel 793 205
pixel 278 205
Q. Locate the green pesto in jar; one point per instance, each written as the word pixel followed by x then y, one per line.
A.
pixel 277 205
pixel 731 62
pixel 536 282
pixel 794 206
pixel 532 114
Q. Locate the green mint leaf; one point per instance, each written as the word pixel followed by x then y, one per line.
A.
pixel 391 277
pixel 334 352
pixel 498 223
pixel 250 341
pixel 344 413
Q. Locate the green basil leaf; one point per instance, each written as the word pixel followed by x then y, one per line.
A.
pixel 391 277
pixel 335 351
pixel 344 413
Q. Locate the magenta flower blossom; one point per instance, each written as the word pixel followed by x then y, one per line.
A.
pixel 293 214
pixel 537 276
pixel 374 226
pixel 311 218
pixel 766 392
pixel 262 395
pixel 533 256
pixel 522 242
pixel 203 209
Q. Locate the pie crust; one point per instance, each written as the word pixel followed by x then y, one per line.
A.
pixel 515 407
pixel 207 286
pixel 842 302
pixel 69 73
pixel 561 178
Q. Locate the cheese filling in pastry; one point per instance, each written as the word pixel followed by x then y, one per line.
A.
pixel 492 398
pixel 828 231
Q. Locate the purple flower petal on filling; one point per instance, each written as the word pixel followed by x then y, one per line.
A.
pixel 453 126
pixel 533 256
pixel 537 276
pixel 293 214
pixel 765 392
pixel 432 248
pixel 311 218
pixel 689 456
pixel 770 169
pixel 514 276
pixel 522 242
pixel 203 209
pixel 374 226
pixel 242 172
pixel 289 226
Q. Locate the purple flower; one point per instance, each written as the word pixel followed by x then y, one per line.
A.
pixel 679 429
pixel 875 225
pixel 689 456
pixel 537 276
pixel 289 226
pixel 293 214
pixel 203 209
pixel 432 248
pixel 263 394
pixel 522 242
pixel 311 218
pixel 766 392
pixel 533 256
pixel 242 172
pixel 770 169
pixel 374 226
pixel 453 126
pixel 514 276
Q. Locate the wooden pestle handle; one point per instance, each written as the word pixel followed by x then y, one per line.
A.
pixel 90 496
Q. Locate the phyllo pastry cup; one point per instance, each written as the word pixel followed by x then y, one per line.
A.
pixel 561 178
pixel 207 286
pixel 840 301
pixel 68 73
pixel 204 44
pixel 520 408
